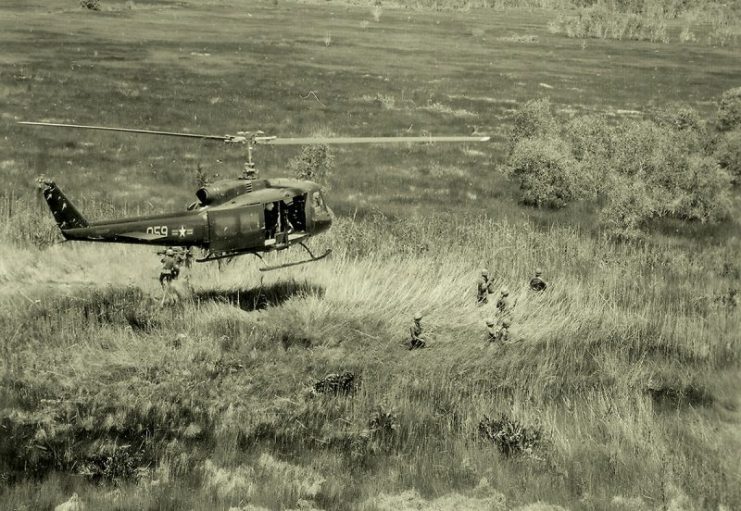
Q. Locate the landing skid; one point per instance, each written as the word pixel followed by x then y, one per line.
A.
pixel 216 256
pixel 312 258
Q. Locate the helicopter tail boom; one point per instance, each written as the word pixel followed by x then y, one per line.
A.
pixel 64 212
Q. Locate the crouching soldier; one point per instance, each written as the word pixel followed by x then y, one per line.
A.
pixel 491 330
pixel 498 335
pixel 505 304
pixel 170 268
pixel 537 283
pixel 483 288
pixel 417 339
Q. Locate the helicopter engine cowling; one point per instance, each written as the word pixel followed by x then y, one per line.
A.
pixel 222 191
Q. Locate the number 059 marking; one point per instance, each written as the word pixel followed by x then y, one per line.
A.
pixel 160 230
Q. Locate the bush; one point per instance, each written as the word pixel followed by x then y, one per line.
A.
pixel 336 384
pixel 93 5
pixel 678 116
pixel 533 120
pixel 510 436
pixel 630 206
pixel 603 22
pixel 677 179
pixel 728 154
pixel 729 110
pixel 640 149
pixel 700 191
pixel 654 167
pixel 592 143
pixel 546 171
pixel 315 163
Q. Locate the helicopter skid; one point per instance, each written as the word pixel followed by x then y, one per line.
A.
pixel 311 259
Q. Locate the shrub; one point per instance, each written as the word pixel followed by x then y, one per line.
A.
pixel 590 136
pixel 93 5
pixel 603 22
pixel 383 423
pixel 315 163
pixel 728 154
pixel 729 110
pixel 678 116
pixel 640 148
pixel 630 206
pixel 509 435
pixel 533 120
pixel 546 171
pixel 336 384
pixel 700 191
pixel 592 143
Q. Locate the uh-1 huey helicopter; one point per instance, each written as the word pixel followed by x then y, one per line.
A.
pixel 232 217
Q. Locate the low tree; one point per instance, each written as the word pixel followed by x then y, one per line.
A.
pixel 545 169
pixel 629 208
pixel 533 120
pixel 728 154
pixel 729 110
pixel 700 191
pixel 314 163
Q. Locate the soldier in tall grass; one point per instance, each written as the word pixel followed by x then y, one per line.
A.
pixel 417 339
pixel 170 268
pixel 483 288
pixel 505 304
pixel 537 283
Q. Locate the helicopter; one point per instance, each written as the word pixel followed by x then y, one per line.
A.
pixel 232 217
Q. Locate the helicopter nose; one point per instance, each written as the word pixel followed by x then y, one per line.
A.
pixel 322 223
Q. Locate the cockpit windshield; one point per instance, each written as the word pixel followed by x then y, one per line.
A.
pixel 317 202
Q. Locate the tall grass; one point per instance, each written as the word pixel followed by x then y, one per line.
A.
pixel 628 342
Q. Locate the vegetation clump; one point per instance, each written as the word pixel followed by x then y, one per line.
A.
pixel 729 110
pixel 314 163
pixel 728 154
pixel 545 170
pixel 534 119
pixel 509 435
pixel 638 170
pixel 336 384
pixel 93 5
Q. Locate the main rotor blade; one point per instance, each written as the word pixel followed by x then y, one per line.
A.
pixel 129 130
pixel 364 140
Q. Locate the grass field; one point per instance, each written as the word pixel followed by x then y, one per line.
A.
pixel 628 365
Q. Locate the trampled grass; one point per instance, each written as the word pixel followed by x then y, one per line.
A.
pixel 628 363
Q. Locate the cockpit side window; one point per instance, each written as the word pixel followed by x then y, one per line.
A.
pixel 317 201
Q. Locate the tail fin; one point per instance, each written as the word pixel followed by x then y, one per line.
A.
pixel 65 214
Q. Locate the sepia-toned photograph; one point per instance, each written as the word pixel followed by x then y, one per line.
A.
pixel 370 255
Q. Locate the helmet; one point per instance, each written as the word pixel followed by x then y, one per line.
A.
pixel 506 323
pixel 418 316
pixel 490 322
pixel 505 291
pixel 538 272
pixel 169 251
pixel 484 272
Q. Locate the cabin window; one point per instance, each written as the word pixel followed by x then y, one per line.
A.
pixel 249 221
pixel 225 225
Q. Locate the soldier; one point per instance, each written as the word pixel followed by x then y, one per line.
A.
pixel 536 283
pixel 497 335
pixel 505 303
pixel 170 268
pixel 491 332
pixel 483 288
pixel 502 334
pixel 417 338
